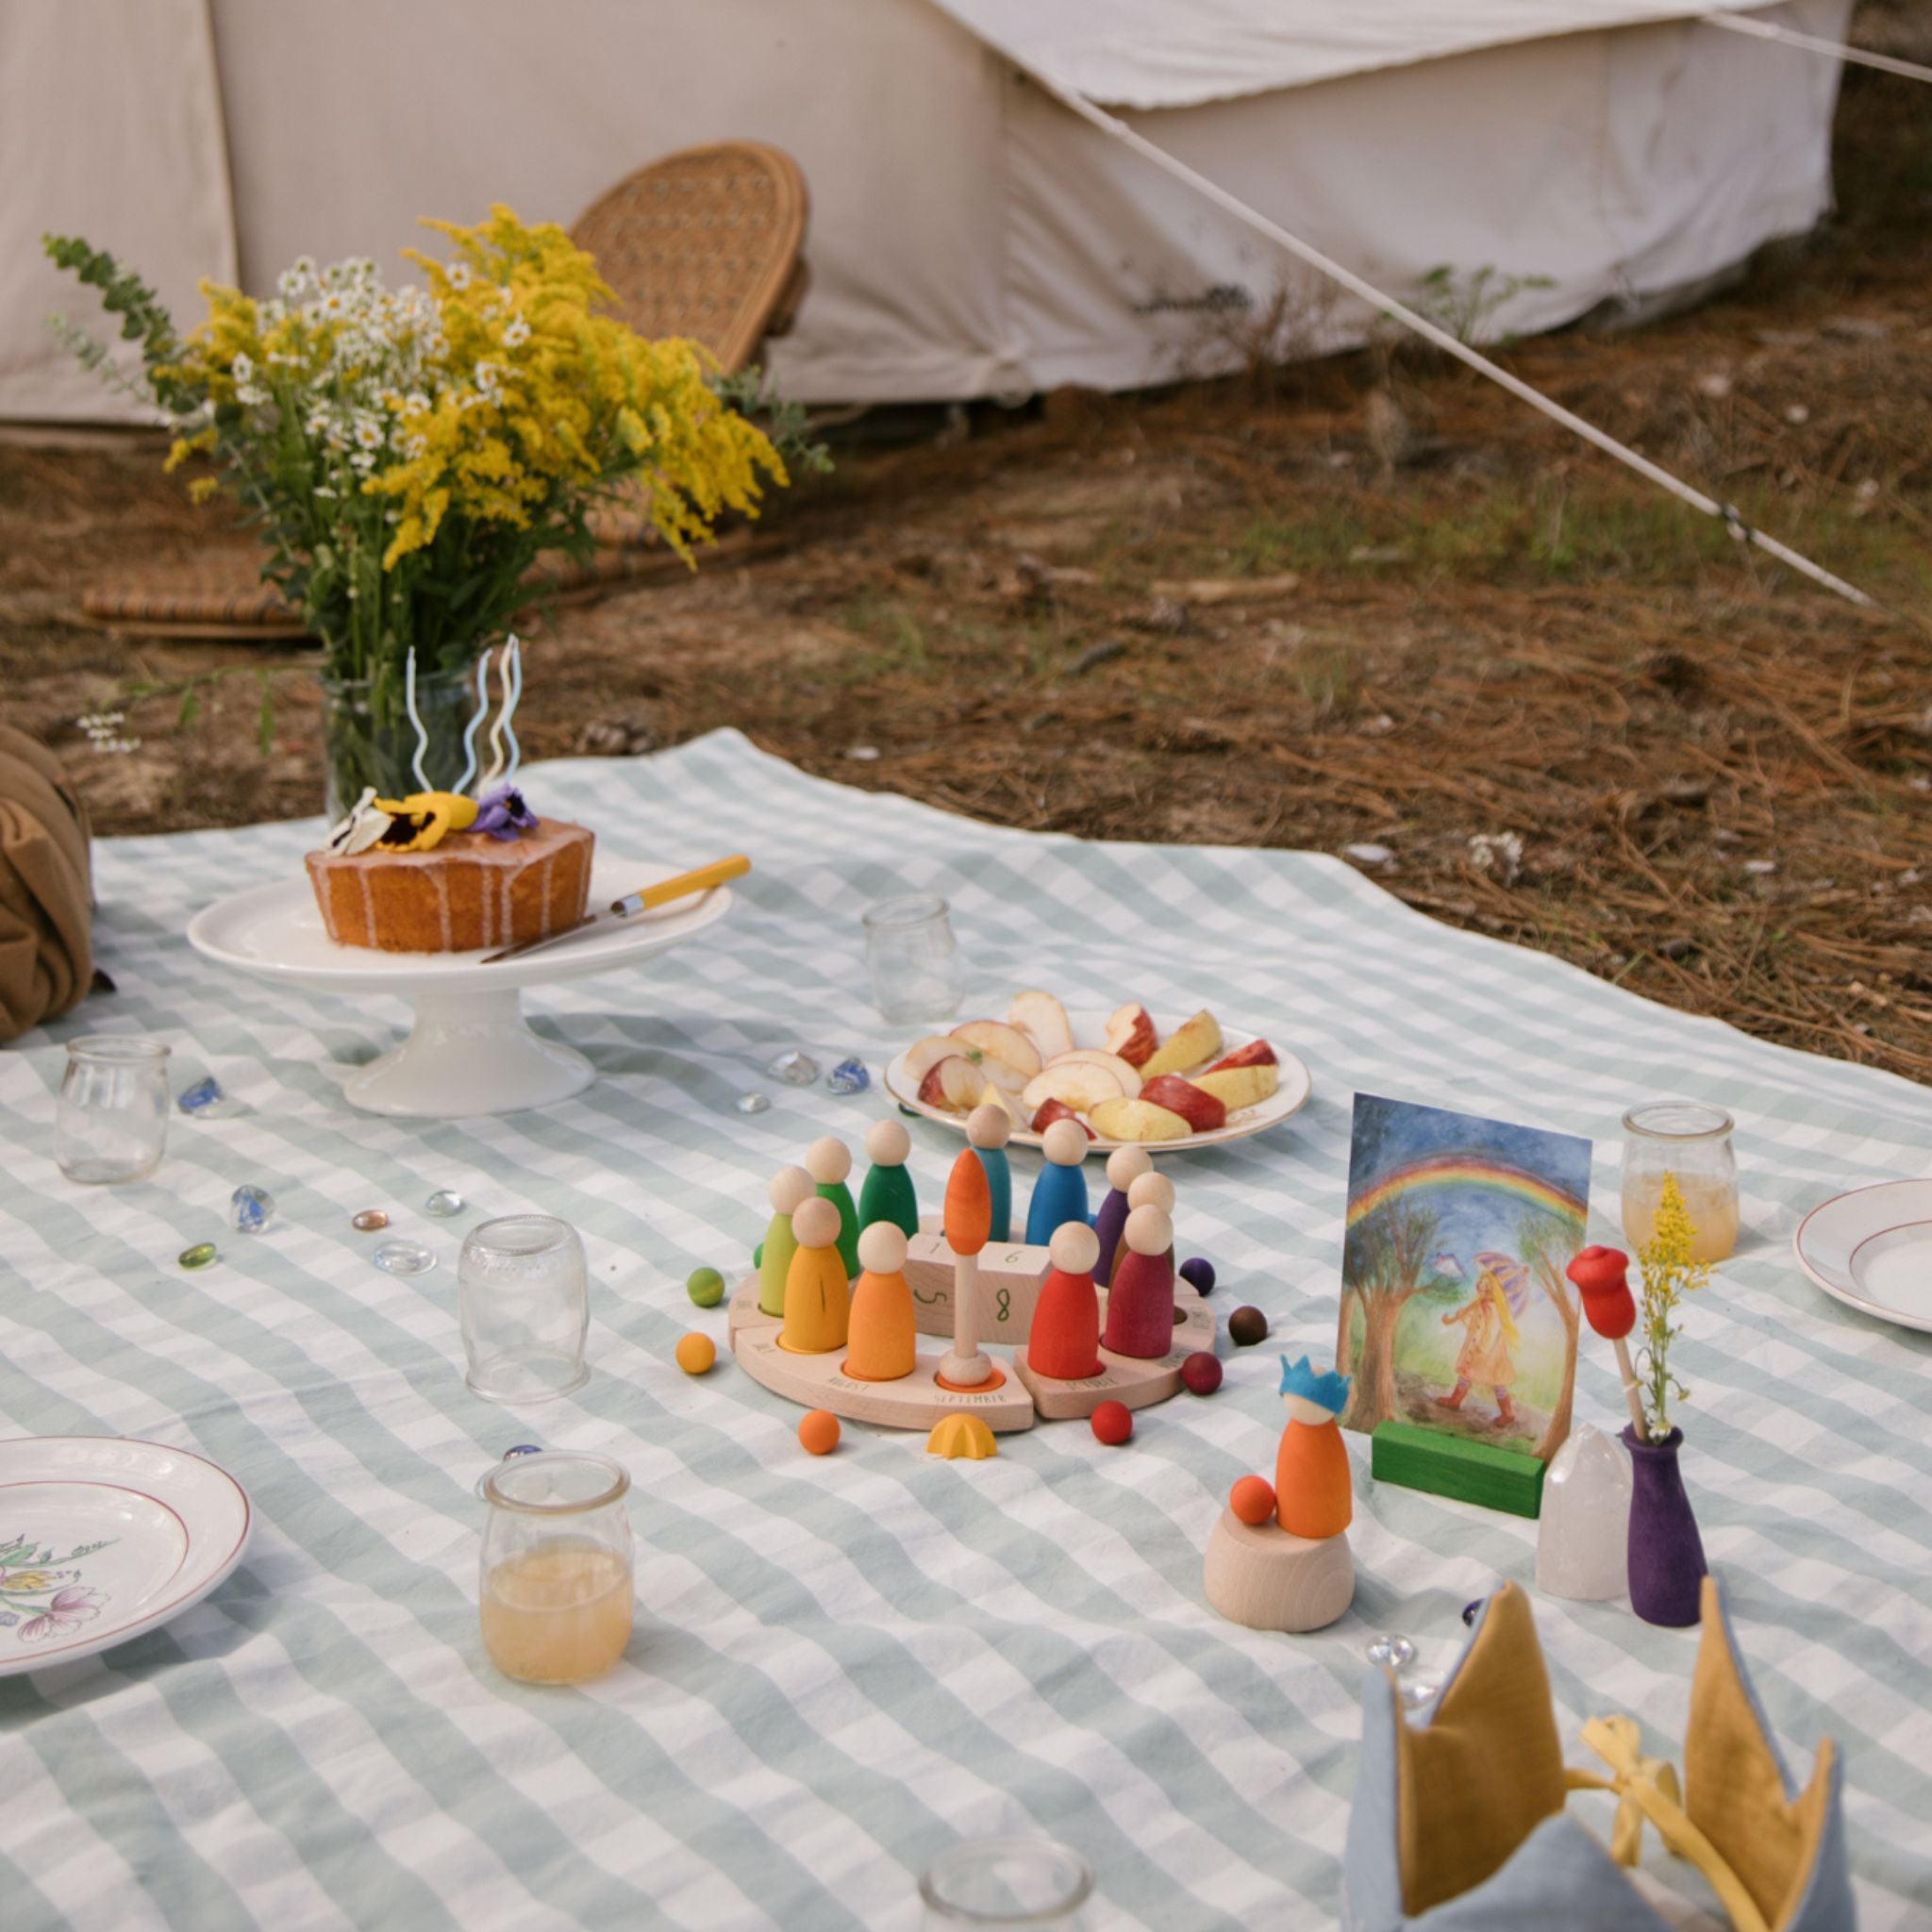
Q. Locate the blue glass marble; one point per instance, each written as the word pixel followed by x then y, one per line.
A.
pixel 848 1077
pixel 251 1209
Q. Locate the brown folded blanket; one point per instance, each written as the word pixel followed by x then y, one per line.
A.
pixel 46 888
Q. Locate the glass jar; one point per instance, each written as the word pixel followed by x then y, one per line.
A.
pixel 1007 1881
pixel 367 738
pixel 908 947
pixel 523 1305
pixel 1693 1142
pixel 110 1123
pixel 556 1587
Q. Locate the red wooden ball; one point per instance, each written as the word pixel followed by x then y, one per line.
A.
pixel 1200 1371
pixel 1114 1422
pixel 1252 1499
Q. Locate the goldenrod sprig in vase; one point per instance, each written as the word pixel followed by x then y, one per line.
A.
pixel 1669 1274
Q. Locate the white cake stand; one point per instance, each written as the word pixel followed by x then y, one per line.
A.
pixel 469 1050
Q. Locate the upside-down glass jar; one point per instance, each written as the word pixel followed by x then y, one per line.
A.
pixel 1693 1142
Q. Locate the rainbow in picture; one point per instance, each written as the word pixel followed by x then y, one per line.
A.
pixel 1456 1312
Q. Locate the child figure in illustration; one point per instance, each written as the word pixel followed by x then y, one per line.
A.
pixel 1502 1286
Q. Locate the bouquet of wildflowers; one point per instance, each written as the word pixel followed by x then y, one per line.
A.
pixel 407 454
pixel 1669 1274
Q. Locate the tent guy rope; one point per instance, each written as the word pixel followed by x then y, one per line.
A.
pixel 1832 50
pixel 1726 513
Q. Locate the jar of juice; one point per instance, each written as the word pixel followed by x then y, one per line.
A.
pixel 557 1589
pixel 1693 1142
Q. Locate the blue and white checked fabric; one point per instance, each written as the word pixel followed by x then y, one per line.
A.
pixel 840 1664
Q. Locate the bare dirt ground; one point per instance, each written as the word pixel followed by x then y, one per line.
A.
pixel 1549 703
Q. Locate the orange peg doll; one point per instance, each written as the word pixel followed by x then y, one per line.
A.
pixel 881 1346
pixel 818 1304
pixel 1313 1497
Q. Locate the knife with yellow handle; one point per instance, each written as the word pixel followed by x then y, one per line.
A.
pixel 619 910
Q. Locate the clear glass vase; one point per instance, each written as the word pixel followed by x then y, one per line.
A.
pixel 367 738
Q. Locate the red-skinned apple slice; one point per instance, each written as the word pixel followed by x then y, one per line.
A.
pixel 1137 1120
pixel 1043 1021
pixel 1130 1033
pixel 922 1056
pixel 1052 1110
pixel 999 1041
pixel 1079 1084
pixel 1202 1111
pixel 1258 1053
pixel 1124 1071
pixel 1190 1045
pixel 954 1083
pixel 1239 1087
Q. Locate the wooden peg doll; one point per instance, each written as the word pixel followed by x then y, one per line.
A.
pixel 1149 1189
pixel 1124 1166
pixel 881 1347
pixel 828 1161
pixel 1139 1303
pixel 887 1194
pixel 790 1186
pixel 1060 1195
pixel 1064 1338
pixel 987 1128
pixel 1312 1494
pixel 818 1303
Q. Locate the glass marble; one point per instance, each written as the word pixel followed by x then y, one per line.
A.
pixel 444 1203
pixel 403 1258
pixel 1395 1652
pixel 1416 1688
pixel 796 1069
pixel 203 1097
pixel 200 1255
pixel 752 1102
pixel 251 1209
pixel 849 1076
pixel 369 1220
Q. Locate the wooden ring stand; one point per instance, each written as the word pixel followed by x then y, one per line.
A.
pixel 1259 1576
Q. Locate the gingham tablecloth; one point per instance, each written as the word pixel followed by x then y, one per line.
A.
pixel 840 1664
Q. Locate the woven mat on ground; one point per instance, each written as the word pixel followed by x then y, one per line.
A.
pixel 840 1664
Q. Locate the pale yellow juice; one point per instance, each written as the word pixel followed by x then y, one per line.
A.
pixel 1710 1202
pixel 557 1613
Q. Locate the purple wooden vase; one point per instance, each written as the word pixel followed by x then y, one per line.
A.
pixel 1666 1554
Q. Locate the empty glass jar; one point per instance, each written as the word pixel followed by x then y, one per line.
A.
pixel 909 948
pixel 111 1123
pixel 556 1591
pixel 523 1304
pixel 1693 1142
pixel 1007 1881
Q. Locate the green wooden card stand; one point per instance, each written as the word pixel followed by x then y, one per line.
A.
pixel 1451 1466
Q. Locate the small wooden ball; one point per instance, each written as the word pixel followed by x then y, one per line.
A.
pixel 1253 1500
pixel 1200 1371
pixel 989 1126
pixel 818 1432
pixel 815 1223
pixel 888 1143
pixel 1198 1272
pixel 1114 1422
pixel 828 1160
pixel 1075 1248
pixel 790 1186
pixel 1152 1190
pixel 1248 1326
pixel 1149 1231
pixel 695 1352
pixel 1065 1143
pixel 1126 1165
pixel 706 1287
pixel 882 1248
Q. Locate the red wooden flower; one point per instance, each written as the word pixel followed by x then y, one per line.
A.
pixel 1599 1275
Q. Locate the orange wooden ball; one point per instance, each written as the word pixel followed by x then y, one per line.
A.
pixel 695 1352
pixel 1252 1499
pixel 818 1434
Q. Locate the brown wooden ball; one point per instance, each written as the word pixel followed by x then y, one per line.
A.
pixel 1248 1326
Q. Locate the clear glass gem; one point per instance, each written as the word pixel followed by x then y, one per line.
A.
pixel 251 1209
pixel 403 1258
pixel 849 1076
pixel 369 1220
pixel 444 1203
pixel 199 1256
pixel 752 1102
pixel 206 1100
pixel 1416 1688
pixel 1394 1651
pixel 794 1068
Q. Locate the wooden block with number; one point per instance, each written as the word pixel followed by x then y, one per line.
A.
pixel 1448 1465
pixel 1010 1275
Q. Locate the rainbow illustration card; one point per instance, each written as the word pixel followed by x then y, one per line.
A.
pixel 1456 1312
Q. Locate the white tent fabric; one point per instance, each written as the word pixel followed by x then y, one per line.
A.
pixel 968 236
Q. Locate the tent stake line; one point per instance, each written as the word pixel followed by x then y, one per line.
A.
pixel 1419 325
pixel 1811 44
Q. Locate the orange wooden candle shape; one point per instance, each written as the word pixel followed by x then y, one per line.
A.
pixel 1312 1494
pixel 968 1226
pixel 1064 1340
pixel 817 1305
pixel 881 1347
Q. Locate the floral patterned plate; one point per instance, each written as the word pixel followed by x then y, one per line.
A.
pixel 103 1537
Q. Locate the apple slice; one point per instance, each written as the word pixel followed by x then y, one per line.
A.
pixel 1079 1084
pixel 1202 1111
pixel 1190 1045
pixel 954 1083
pixel 1124 1071
pixel 1052 1110
pixel 1043 1021
pixel 1258 1053
pixel 999 1041
pixel 1131 1033
pixel 993 1094
pixel 1239 1087
pixel 922 1056
pixel 1137 1120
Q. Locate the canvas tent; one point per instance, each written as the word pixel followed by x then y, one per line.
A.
pixel 968 236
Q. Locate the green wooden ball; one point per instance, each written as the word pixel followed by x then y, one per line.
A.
pixel 706 1287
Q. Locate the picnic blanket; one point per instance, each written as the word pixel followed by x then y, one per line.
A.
pixel 840 1664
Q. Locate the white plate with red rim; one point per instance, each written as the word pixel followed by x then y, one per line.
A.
pixel 105 1537
pixel 1871 1249
pixel 1089 1030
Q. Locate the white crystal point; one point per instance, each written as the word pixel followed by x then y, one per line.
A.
pixel 1580 1541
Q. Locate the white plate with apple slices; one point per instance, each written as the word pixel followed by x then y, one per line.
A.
pixel 1128 1078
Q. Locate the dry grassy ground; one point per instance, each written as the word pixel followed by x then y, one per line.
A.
pixel 1570 712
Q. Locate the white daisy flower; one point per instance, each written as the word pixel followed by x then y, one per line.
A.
pixel 459 275
pixel 516 332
